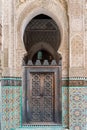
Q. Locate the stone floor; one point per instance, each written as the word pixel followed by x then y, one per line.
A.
pixel 41 128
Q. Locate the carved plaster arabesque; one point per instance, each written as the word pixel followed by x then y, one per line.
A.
pixel 77 52
pixel 19 2
pixel 47 11
pixel 63 2
pixel 54 10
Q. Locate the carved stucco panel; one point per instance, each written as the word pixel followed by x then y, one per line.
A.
pixel 64 4
pixel 85 24
pixel 76 25
pixel 21 2
pixel 76 9
pixel 77 52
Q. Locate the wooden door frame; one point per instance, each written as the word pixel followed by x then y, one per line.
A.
pixel 58 92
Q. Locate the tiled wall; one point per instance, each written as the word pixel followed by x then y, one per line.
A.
pixel 74 105
pixel 78 108
pixel 65 106
pixel 11 103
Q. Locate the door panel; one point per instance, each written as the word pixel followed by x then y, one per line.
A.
pixel 35 97
pixel 48 97
pixel 42 97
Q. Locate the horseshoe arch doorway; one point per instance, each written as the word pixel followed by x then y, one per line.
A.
pixel 42 72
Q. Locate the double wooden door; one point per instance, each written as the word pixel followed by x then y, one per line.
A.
pixel 42 97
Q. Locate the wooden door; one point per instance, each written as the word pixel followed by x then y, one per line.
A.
pixel 42 97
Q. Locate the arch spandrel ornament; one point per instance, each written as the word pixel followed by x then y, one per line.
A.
pixel 53 10
pixel 19 2
pixel 63 2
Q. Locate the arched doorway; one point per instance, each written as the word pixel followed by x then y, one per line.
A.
pixel 42 33
pixel 42 63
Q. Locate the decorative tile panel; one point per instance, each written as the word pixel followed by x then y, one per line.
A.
pixel 65 106
pixel 10 81
pixel 11 102
pixel 77 108
pixel 74 81
pixel 74 116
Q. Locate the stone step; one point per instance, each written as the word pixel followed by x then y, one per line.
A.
pixel 40 128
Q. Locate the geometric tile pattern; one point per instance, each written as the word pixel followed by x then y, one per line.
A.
pixel 11 102
pixel 86 108
pixel 65 106
pixel 10 81
pixel 74 81
pixel 77 108
pixel 74 108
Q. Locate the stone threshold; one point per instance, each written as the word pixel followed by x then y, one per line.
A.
pixel 41 127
